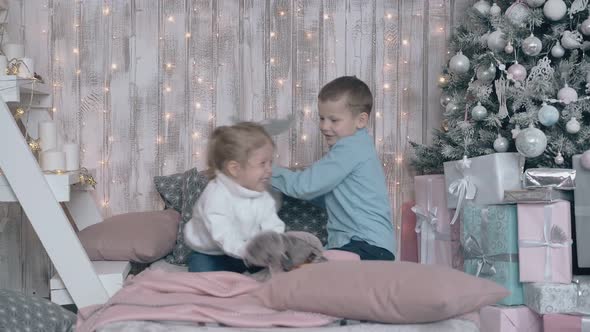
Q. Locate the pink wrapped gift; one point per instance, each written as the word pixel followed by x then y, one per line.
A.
pixel 408 238
pixel 545 242
pixel 433 220
pixel 509 319
pixel 565 323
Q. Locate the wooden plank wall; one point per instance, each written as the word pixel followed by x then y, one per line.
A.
pixel 141 84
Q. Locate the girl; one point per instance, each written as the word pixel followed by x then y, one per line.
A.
pixel 235 205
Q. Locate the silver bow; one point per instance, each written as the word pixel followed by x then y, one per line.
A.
pixel 485 262
pixel 553 237
pixel 463 188
pixel 426 225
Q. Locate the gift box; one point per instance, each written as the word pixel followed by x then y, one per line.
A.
pixel 482 179
pixel 558 178
pixel 433 221
pixel 565 323
pixel 582 213
pixel 553 298
pixel 408 240
pixel 509 319
pixel 490 247
pixel 545 239
pixel 537 195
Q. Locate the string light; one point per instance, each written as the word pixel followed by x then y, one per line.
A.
pixel 198 105
pixel 187 35
pixel 389 16
pixel 405 42
pixel 282 13
pixel 75 50
pixel 326 17
pixel 386 86
pixel 272 60
pixel 378 115
pixel 168 66
pixel 114 66
pixel 170 18
pixel 168 89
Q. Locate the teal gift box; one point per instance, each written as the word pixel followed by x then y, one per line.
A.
pixel 490 245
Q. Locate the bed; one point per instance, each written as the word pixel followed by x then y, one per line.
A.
pixel 467 323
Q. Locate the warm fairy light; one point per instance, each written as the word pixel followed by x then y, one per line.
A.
pixel 168 115
pixel 272 34
pixel 159 139
pixel 378 114
pixel 168 89
pixel 389 16
pixel 442 79
pixel 441 29
pixel 309 35
pixel 200 80
pixel 168 66
pixel 399 159
pixel 54 109
pixel 195 135
pixel 211 117
pixel 114 66
pixel 170 18
pixel 406 61
pixel 405 42
pixel 106 89
pixel 326 17
pixel 282 13
pixel 307 111
pixel 106 11
pixel 405 89
pixel 75 50
pixel 272 60
pixel 198 105
pixel 280 81
pixel 187 35
pixel 78 71
pixel 386 86
pixel 304 137
pixel 105 203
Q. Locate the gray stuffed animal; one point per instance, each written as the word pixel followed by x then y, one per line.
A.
pixel 283 252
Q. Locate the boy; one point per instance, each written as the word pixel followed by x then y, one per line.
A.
pixel 349 179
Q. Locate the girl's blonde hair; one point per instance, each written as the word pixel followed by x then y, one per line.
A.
pixel 236 142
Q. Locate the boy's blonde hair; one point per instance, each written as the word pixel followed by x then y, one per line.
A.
pixel 236 143
pixel 358 94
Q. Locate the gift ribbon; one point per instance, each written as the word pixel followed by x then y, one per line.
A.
pixel 485 262
pixel 463 188
pixel 426 224
pixel 550 240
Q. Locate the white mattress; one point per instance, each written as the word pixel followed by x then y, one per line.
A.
pixel 450 325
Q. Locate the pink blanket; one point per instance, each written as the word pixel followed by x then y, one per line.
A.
pixel 221 297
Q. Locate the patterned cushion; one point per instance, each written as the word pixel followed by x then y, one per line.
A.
pixel 300 215
pixel 19 312
pixel 170 189
pixel 192 185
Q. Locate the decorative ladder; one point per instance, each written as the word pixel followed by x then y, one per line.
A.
pixel 36 196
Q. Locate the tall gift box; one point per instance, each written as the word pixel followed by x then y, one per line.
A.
pixel 582 212
pixel 408 238
pixel 490 244
pixel 509 319
pixel 565 323
pixel 545 239
pixel 433 221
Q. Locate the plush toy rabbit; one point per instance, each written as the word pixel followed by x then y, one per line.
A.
pixel 283 252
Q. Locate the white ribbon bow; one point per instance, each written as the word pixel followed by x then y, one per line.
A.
pixel 463 188
pixel 426 225
pixel 553 237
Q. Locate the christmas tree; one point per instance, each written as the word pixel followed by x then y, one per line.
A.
pixel 518 80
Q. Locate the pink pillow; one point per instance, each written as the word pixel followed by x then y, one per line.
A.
pixel 340 255
pixel 142 237
pixel 380 291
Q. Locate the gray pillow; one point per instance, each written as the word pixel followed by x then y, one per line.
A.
pixel 303 216
pixel 19 312
pixel 170 189
pixel 192 185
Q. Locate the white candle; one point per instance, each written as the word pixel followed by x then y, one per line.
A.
pixel 72 151
pixel 3 65
pixel 47 135
pixel 14 51
pixel 27 68
pixel 53 160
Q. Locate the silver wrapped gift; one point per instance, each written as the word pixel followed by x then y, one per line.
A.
pixel 553 298
pixel 559 178
pixel 543 195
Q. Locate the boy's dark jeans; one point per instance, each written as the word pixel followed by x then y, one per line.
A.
pixel 367 252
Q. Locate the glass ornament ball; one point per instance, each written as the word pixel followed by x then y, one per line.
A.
pixel 451 107
pixel 585 160
pixel 567 95
pixel 497 41
pixel 531 142
pixel 559 159
pixel 486 73
pixel 445 99
pixel 482 7
pixel 532 45
pixel 554 10
pixel 585 27
pixel 557 51
pixel 535 3
pixel 495 10
pixel 518 13
pixel 459 63
pixel 548 115
pixel 501 144
pixel 509 48
pixel 479 112
pixel 572 126
pixel 517 71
